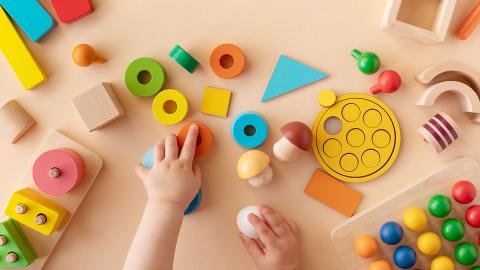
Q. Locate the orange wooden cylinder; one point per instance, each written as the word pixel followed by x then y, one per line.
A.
pixel 469 23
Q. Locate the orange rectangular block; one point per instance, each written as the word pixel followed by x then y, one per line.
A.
pixel 333 193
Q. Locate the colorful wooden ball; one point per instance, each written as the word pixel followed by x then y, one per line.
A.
pixel 439 206
pixel 472 216
pixel 453 230
pixel 366 246
pixel 429 243
pixel 404 257
pixel 466 253
pixel 204 138
pixel 464 192
pixel 476 268
pixel 379 265
pixel 442 263
pixel 415 219
pixel 391 233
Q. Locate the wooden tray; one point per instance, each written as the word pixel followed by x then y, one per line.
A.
pixel 370 221
pixel 44 245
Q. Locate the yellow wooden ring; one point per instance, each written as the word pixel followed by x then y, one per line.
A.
pixel 161 99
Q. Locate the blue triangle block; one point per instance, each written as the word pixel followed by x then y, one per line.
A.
pixel 288 76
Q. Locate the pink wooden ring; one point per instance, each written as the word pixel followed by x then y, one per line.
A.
pixel 57 172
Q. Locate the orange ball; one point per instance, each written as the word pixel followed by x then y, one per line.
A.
pixel 84 55
pixel 379 265
pixel 366 246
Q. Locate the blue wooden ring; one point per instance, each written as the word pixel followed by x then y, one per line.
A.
pixel 249 119
pixel 194 204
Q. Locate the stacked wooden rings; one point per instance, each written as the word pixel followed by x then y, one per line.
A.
pixel 227 61
pixel 439 132
pixel 150 86
pixel 58 171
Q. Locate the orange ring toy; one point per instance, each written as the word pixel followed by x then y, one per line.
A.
pixel 223 53
pixel 204 139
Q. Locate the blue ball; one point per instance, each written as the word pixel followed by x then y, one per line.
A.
pixel 391 233
pixel 405 257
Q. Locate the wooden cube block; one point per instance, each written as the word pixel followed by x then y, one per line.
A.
pixel 14 244
pixel 14 121
pixel 98 106
pixel 333 193
pixel 35 211
pixel 216 101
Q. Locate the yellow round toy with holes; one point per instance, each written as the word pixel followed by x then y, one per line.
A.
pixel 357 139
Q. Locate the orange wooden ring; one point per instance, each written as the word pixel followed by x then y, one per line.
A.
pixel 218 56
pixel 204 139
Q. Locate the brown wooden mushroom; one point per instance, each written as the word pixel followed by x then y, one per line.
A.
pixel 297 137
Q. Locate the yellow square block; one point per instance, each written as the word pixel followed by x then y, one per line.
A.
pixel 36 204
pixel 216 101
pixel 18 55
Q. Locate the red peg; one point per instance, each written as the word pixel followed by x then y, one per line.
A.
pixel 388 82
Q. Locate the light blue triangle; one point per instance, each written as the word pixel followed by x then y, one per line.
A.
pixel 288 76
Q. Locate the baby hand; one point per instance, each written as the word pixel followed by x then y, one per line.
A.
pixel 173 177
pixel 278 247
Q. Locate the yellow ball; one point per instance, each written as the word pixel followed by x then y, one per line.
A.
pixel 429 243
pixel 327 98
pixel 415 219
pixel 442 263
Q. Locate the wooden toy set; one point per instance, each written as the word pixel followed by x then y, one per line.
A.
pixel 430 225
pixel 355 138
pixel 45 201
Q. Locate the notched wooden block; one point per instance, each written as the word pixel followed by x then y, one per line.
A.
pixel 14 121
pixel 98 106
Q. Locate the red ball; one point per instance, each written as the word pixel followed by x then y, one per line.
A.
pixel 388 82
pixel 464 192
pixel 473 216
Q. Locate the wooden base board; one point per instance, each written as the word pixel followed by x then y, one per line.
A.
pixel 44 245
pixel 370 221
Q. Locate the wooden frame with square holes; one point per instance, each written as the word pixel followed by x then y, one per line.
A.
pixel 390 22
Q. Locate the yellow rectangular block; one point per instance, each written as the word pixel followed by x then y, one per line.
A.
pixel 35 204
pixel 216 101
pixel 18 55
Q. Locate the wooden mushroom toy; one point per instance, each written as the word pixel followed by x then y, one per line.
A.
pixel 254 166
pixel 297 137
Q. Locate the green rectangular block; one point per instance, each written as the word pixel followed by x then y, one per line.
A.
pixel 17 243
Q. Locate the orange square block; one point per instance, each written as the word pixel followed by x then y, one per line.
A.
pixel 333 193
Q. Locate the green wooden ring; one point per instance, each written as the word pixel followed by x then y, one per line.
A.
pixel 150 88
pixel 184 59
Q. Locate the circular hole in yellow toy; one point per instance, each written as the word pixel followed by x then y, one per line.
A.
pixel 332 148
pixel 144 77
pixel 227 61
pixel 333 125
pixel 355 137
pixel 370 158
pixel 349 162
pixel 170 106
pixel 249 130
pixel 381 138
pixel 351 112
pixel 372 118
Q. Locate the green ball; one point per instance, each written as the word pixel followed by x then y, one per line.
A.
pixel 367 62
pixel 466 253
pixel 476 268
pixel 453 230
pixel 439 206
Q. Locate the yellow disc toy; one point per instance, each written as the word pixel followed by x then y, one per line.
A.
pixel 357 139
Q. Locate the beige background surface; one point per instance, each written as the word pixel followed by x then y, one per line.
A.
pixel 318 33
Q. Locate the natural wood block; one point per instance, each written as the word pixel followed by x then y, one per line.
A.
pixel 333 193
pixel 14 121
pixel 98 107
